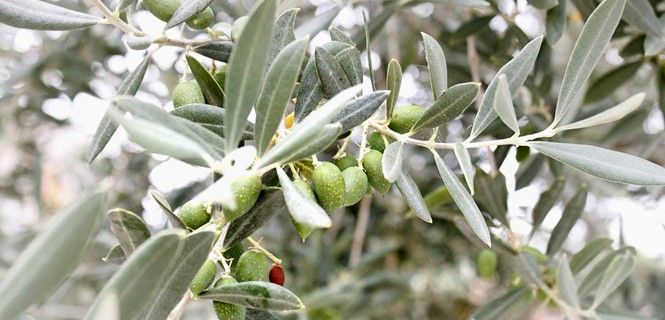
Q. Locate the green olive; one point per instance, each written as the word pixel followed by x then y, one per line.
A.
pixel 202 19
pixel 345 162
pixel 193 215
pixel 328 186
pixel 187 92
pixel 372 165
pixel 405 117
pixel 204 277
pixel 522 153
pixel 356 183
pixel 220 74
pixel 228 311
pixel 252 266
pixel 246 190
pixel 302 186
pixel 234 253
pixel 162 9
pixel 376 141
pixel 486 263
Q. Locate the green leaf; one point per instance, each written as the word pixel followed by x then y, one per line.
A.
pixel 173 219
pixel 590 46
pixel 211 89
pixel 621 267
pixel 108 308
pixel 393 84
pixel 610 115
pixel 220 51
pixel 282 33
pixel 207 138
pixel 391 163
pixel 115 255
pixel 555 22
pixel 497 307
pixel 332 76
pixel 606 84
pixel 349 60
pixel 106 128
pixel 52 256
pixel 320 141
pixel 128 228
pixel 640 14
pixel 503 105
pixel 276 92
pixel 409 190
pixel 338 35
pixel 546 202
pixel 448 106
pixel 303 210
pixel 566 284
pixel 436 64
pixel 571 213
pixel 516 71
pixel 255 294
pixel 492 195
pixel 603 163
pixel 527 266
pixel 245 70
pixel 375 25
pixel 268 204
pixel 186 10
pixel 360 109
pixel 317 23
pixel 40 15
pixel 463 200
pixel 209 117
pixel 528 171
pixel 582 258
pixel 593 277
pixel 464 160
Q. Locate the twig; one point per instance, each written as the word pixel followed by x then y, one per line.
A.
pixel 114 19
pixel 179 309
pixel 258 246
pixel 360 232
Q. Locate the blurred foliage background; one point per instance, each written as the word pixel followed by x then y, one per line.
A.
pixel 373 264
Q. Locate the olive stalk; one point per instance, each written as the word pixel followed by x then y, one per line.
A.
pixel 258 246
pixel 114 19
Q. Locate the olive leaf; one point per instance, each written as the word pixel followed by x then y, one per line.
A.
pixel 338 35
pixel 220 51
pixel 393 84
pixel 593 278
pixel 41 15
pixel 571 213
pixel 603 163
pixel 358 110
pixel 640 14
pixel 115 255
pixel 463 199
pixel 555 22
pixel 332 76
pixel 212 92
pixel 317 23
pixel 610 115
pixel 268 204
pixel 245 70
pixel 448 106
pixel 255 294
pixel 186 10
pixel 106 128
pixel 594 38
pixel 276 92
pixel 391 163
pixel 128 228
pixel 349 60
pixel 497 307
pixel 516 71
pixel 546 202
pixel 621 267
pixel 282 33
pixel 606 84
pixel 303 210
pixel 503 105
pixel 590 251
pixel 436 64
pixel 528 171
pixel 173 219
pixel 53 255
pixel 308 146
pixel 209 117
pixel 492 195
pixel 566 284
pixel 527 266
pixel 464 160
pixel 414 199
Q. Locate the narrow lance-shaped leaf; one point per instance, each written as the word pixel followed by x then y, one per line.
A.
pixel 128 228
pixel 555 22
pixel 332 76
pixel 621 267
pixel 516 71
pixel 52 256
pixel 41 15
pixel 566 284
pixel 268 204
pixel 360 109
pixel 276 92
pixel 220 51
pixel 492 194
pixel 409 190
pixel 463 200
pixel 608 83
pixel 590 45
pixel 503 105
pixel 349 60
pixel 391 164
pixel 210 117
pixel 546 202
pixel 592 278
pixel 173 219
pixel 245 70
pixel 209 86
pixel 317 23
pixel 464 160
pixel 106 128
pixel 610 115
pixel 527 266
pixel 640 14
pixel 571 213
pixel 393 84
pixel 436 64
pixel 315 144
pixel 282 33
pixel 497 307
pixel 115 255
pixel 448 106
pixel 338 35
pixel 186 10
pixel 302 209
pixel 582 258
pixel 603 163
pixel 255 294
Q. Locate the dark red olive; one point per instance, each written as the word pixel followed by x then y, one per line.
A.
pixel 276 274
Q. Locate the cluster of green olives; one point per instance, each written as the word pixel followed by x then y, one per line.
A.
pixel 164 10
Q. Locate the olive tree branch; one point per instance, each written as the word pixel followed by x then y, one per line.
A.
pixel 114 19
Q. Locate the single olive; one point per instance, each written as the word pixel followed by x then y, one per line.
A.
pixel 486 263
pixel 405 117
pixel 162 9
pixel 193 215
pixel 276 274
pixel 220 74
pixel 252 266
pixel 376 141
pixel 355 181
pixel 204 277
pixel 187 92
pixel 246 190
pixel 328 186
pixel 202 19
pixel 234 253
pixel 345 162
pixel 228 311
pixel 372 165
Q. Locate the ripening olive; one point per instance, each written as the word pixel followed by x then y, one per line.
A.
pixel 228 311
pixel 187 92
pixel 372 164
pixel 204 277
pixel 376 141
pixel 486 263
pixel 193 215
pixel 304 188
pixel 162 9
pixel 328 186
pixel 246 190
pixel 355 181
pixel 202 19
pixel 346 162
pixel 405 117
pixel 252 266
